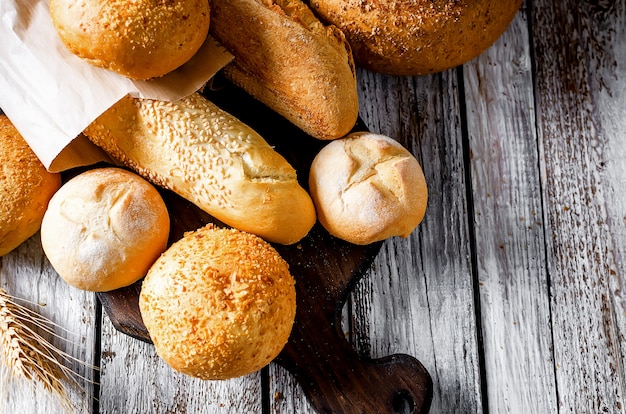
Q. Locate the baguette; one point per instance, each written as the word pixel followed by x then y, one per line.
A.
pixel 210 158
pixel 287 59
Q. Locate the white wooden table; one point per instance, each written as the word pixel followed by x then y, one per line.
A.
pixel 510 292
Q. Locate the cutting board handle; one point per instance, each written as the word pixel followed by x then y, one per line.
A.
pixel 336 380
pixel 333 376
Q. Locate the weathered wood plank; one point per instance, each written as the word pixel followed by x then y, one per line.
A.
pixel 135 379
pixel 418 298
pixel 580 71
pixel 285 393
pixel 26 273
pixel 508 223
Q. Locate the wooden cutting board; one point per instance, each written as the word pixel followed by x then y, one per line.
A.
pixel 333 376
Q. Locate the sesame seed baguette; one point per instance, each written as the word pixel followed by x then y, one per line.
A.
pixel 287 59
pixel 210 158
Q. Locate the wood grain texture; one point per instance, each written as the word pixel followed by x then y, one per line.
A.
pixel 127 361
pixel 508 226
pixel 25 273
pixel 580 124
pixel 419 297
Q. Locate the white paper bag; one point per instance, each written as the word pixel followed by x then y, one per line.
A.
pixel 51 95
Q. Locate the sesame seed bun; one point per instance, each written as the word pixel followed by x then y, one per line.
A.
pixel 287 59
pixel 218 304
pixel 417 37
pixel 139 39
pixel 367 187
pixel 104 228
pixel 25 188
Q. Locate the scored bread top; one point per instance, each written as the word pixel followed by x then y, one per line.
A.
pixel 367 187
pixel 290 61
pixel 114 226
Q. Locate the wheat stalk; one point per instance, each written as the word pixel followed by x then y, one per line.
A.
pixel 28 355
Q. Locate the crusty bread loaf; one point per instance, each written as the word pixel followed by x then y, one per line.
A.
pixel 104 228
pixel 25 188
pixel 140 39
pixel 286 58
pixel 417 37
pixel 367 187
pixel 210 158
pixel 218 304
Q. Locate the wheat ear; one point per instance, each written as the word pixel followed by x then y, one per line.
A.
pixel 27 354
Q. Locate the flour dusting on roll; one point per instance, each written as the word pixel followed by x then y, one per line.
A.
pixel 104 228
pixel 367 187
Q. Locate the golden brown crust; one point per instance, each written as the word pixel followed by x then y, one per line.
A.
pixel 210 158
pixel 218 304
pixel 286 58
pixel 25 188
pixel 367 187
pixel 417 37
pixel 114 224
pixel 139 39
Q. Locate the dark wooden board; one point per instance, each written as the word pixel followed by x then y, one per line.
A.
pixel 333 376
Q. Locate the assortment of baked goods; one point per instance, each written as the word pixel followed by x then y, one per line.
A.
pixel 219 303
pixel 25 188
pixel 140 39
pixel 367 187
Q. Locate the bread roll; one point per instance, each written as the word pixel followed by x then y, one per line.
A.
pixel 139 39
pixel 212 159
pixel 218 304
pixel 104 228
pixel 286 58
pixel 25 188
pixel 367 187
pixel 418 37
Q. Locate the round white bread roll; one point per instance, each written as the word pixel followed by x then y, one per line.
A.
pixel 367 187
pixel 25 188
pixel 219 303
pixel 104 228
pixel 417 37
pixel 139 39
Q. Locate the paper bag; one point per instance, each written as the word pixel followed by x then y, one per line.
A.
pixel 51 95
